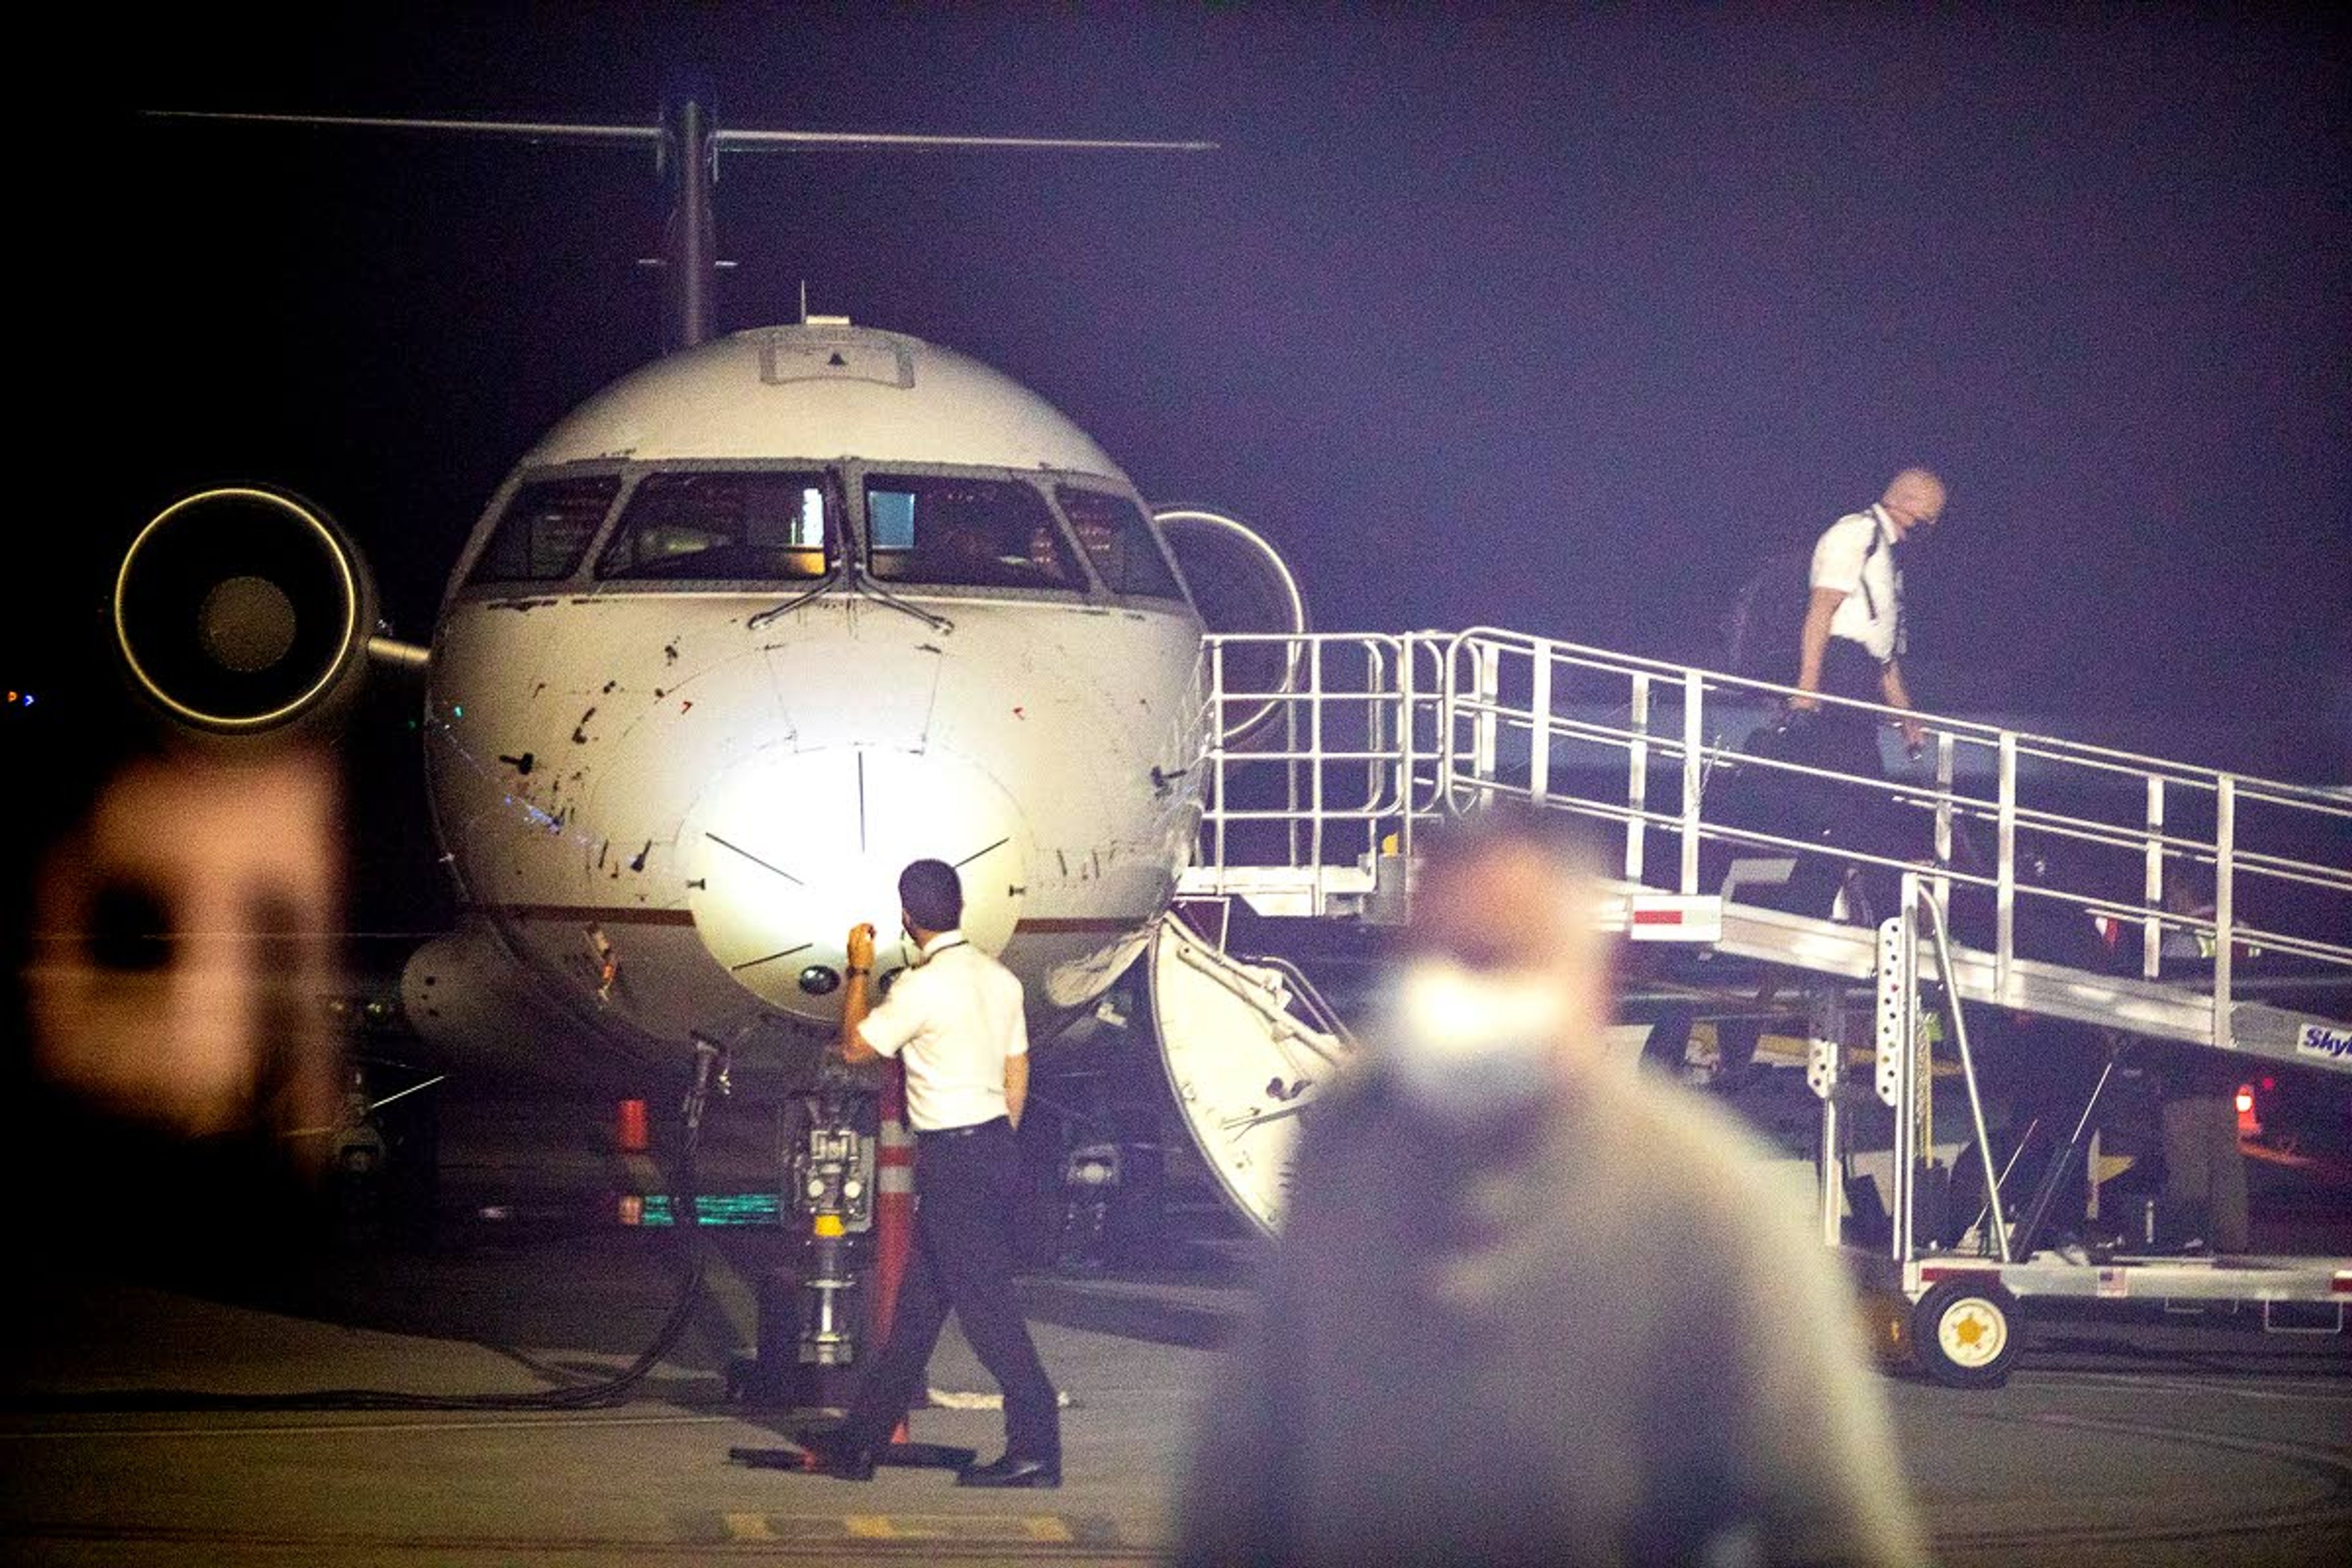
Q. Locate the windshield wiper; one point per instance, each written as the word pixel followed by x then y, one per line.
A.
pixel 877 592
pixel 776 612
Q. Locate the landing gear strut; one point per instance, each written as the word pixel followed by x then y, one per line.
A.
pixel 852 1175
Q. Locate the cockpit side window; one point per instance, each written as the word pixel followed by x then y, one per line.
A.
pixel 965 532
pixel 729 526
pixel 1115 534
pixel 546 529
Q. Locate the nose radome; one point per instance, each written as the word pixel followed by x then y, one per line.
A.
pixel 789 848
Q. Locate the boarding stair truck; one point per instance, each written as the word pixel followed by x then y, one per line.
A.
pixel 2046 895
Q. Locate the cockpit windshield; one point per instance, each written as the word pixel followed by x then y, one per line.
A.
pixel 1115 534
pixel 733 526
pixel 967 532
pixel 546 529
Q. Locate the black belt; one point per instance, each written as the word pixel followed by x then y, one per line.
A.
pixel 961 1132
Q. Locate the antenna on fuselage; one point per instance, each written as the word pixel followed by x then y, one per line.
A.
pixel 687 142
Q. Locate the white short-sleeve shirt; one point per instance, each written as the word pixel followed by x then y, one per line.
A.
pixel 1843 560
pixel 953 1019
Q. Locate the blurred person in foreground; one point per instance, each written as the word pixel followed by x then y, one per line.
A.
pixel 1527 1309
pixel 175 1061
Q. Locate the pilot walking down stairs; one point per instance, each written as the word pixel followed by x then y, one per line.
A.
pixel 1851 646
pixel 955 1021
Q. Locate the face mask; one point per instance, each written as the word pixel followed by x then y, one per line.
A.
pixel 1463 1043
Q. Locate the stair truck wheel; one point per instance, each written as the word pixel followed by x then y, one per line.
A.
pixel 1964 1333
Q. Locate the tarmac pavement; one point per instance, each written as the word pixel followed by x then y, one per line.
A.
pixel 2147 1442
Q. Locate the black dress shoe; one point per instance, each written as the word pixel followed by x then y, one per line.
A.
pixel 1009 1472
pixel 837 1457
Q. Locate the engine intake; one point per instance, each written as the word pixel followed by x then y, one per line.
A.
pixel 239 610
pixel 1241 585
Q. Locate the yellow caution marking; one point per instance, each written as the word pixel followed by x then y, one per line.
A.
pixel 748 1527
pixel 902 1527
pixel 831 1225
pixel 1010 1531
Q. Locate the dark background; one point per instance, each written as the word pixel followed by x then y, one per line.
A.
pixel 1508 316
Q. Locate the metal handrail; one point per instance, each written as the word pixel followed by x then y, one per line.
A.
pixel 1433 723
pixel 2055 747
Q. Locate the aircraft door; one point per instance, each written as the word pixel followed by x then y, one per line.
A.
pixel 1248 1046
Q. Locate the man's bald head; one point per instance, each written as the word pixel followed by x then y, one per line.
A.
pixel 1914 498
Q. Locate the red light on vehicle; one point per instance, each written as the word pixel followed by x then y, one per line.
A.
pixel 2248 1122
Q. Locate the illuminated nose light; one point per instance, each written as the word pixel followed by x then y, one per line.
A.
pixel 789 848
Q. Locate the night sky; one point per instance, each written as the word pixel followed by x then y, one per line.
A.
pixel 1504 316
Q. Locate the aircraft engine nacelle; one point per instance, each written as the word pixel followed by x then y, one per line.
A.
pixel 240 611
pixel 1242 585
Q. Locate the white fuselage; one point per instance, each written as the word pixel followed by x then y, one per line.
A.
pixel 666 796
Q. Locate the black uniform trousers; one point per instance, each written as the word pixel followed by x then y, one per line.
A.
pixel 968 1188
pixel 1845 740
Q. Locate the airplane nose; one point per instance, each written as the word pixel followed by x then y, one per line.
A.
pixel 789 848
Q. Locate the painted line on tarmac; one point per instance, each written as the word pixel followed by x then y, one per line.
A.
pixel 2332 1468
pixel 763 1537
pixel 575 1423
pixel 2335 1463
pixel 961 1532
pixel 748 1527
pixel 2316 1390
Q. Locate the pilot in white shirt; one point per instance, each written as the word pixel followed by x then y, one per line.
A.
pixel 955 1021
pixel 1851 646
pixel 1848 645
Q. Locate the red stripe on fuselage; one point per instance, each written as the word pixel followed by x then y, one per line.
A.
pixel 624 915
pixel 619 915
